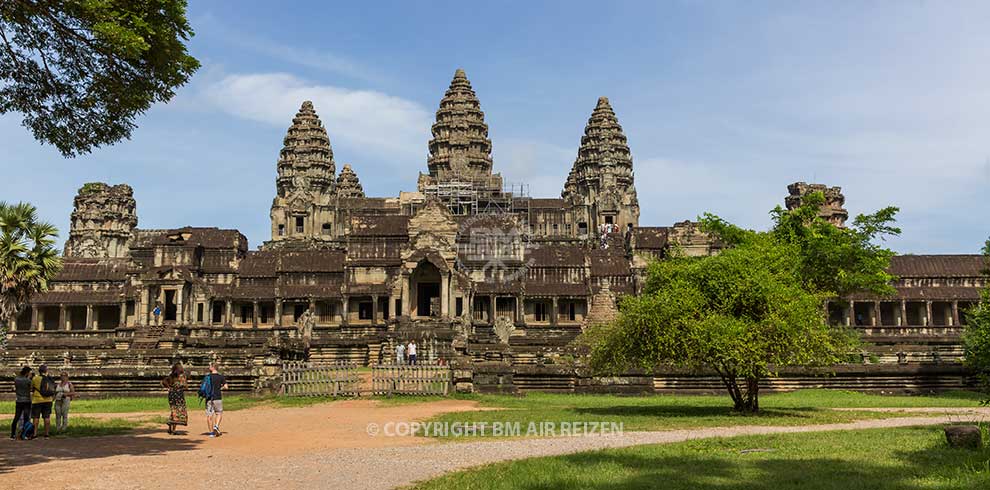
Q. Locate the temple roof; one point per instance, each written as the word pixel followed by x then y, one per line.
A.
pixel 937 265
pixel 83 270
pixel 603 146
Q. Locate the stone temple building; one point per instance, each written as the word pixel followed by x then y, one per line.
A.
pixel 482 275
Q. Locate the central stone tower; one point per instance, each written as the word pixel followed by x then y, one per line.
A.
pixel 601 180
pixel 103 221
pixel 460 158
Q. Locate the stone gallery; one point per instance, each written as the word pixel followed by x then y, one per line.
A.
pixel 484 277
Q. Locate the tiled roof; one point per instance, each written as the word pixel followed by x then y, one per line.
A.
pixel 550 203
pixel 937 265
pixel 108 296
pixel 259 264
pixel 606 264
pixel 945 293
pixel 312 261
pixel 649 238
pixel 92 270
pixel 556 255
pixel 379 225
pixel 194 236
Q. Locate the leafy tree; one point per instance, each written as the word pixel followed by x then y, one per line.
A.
pixel 755 307
pixel 80 71
pixel 976 337
pixel 28 260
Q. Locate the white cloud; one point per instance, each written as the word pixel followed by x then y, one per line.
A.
pixel 365 121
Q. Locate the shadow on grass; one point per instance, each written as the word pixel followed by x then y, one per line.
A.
pixel 692 412
pixel 935 466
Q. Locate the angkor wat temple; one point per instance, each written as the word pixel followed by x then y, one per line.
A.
pixel 483 276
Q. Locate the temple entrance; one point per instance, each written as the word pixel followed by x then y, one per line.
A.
pixel 424 287
pixel 171 309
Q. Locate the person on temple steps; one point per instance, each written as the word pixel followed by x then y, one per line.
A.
pixel 400 354
pixel 158 313
pixel 411 352
pixel 22 402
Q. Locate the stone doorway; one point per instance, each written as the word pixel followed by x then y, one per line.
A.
pixel 171 309
pixel 424 286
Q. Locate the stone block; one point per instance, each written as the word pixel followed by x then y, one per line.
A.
pixel 964 436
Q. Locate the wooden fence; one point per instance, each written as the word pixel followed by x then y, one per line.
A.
pixel 301 378
pixel 410 380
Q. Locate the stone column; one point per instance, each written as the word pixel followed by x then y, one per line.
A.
pixel 254 314
pixel 904 318
pixel 955 313
pixel 229 316
pixel 34 318
pixel 180 311
pixel 851 316
pixel 492 314
pixel 445 295
pixel 208 320
pixel 278 312
pixel 374 309
pixel 877 318
pixel 520 310
pixel 345 317
pixel 553 312
pixel 405 295
pixel 144 310
pixel 122 321
pixel 89 318
pixel 63 323
pixel 928 313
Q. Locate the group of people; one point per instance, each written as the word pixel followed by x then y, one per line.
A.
pixel 406 353
pixel 36 395
pixel 210 389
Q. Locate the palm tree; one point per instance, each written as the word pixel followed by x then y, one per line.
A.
pixel 28 260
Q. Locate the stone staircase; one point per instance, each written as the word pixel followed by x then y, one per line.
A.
pixel 147 337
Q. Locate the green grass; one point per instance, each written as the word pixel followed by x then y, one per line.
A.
pixel 85 404
pixel 663 412
pixel 90 427
pixel 881 459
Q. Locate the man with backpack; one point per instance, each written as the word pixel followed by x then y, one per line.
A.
pixel 211 390
pixel 43 389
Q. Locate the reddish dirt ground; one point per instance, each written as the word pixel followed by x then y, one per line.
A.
pixel 257 441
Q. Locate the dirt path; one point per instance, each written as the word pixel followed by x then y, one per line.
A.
pixel 322 446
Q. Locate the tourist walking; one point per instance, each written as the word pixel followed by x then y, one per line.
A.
pixel 158 313
pixel 176 385
pixel 42 395
pixel 22 400
pixel 411 351
pixel 400 354
pixel 212 389
pixel 64 393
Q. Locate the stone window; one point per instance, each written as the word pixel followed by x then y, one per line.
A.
pixel 459 306
pixel 281 230
pixel 199 312
pixel 299 224
pixel 364 310
pixel 327 228
pixel 541 311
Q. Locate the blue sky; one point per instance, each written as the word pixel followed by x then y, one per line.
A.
pixel 724 104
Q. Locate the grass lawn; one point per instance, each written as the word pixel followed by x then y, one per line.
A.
pixel 662 412
pixel 881 459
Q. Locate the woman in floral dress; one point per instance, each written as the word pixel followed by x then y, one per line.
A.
pixel 176 385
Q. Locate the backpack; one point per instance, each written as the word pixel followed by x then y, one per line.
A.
pixel 27 430
pixel 206 388
pixel 47 388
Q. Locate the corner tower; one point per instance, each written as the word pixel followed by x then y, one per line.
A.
pixel 831 211
pixel 305 183
pixel 103 221
pixel 601 180
pixel 460 151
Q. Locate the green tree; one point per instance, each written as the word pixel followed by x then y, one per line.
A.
pixel 976 337
pixel 28 260
pixel 80 71
pixel 754 308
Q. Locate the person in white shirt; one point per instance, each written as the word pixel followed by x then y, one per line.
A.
pixel 411 350
pixel 400 354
